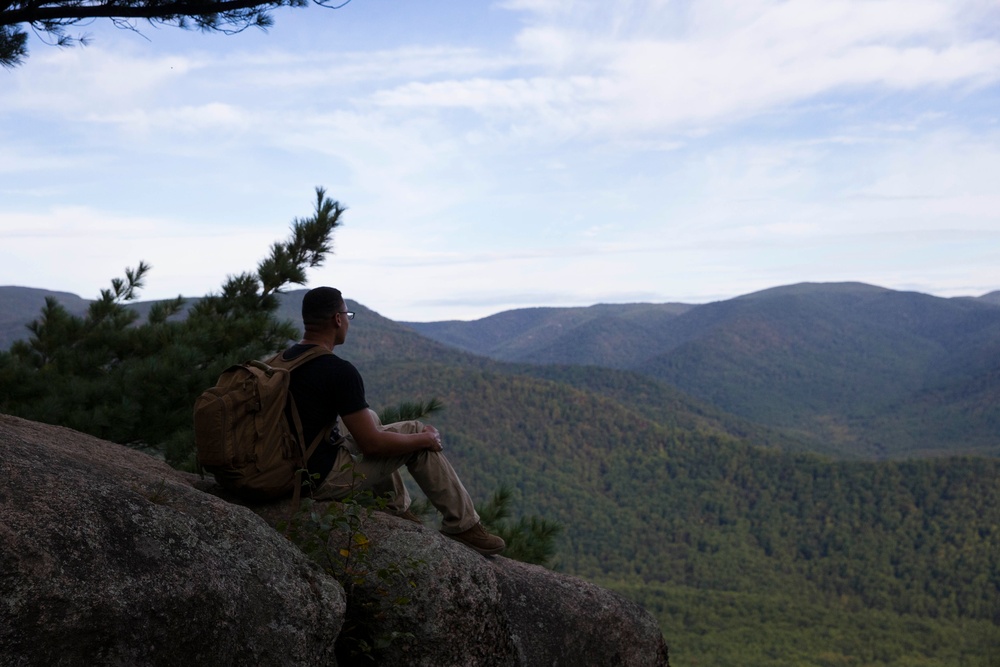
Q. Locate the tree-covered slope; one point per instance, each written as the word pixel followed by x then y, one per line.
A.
pixel 382 337
pixel 867 371
pixel 850 366
pixel 604 335
pixel 677 505
pixel 846 369
pixel 664 404
pixel 749 554
pixel 658 510
pixel 375 340
pixel 374 337
pixel 21 305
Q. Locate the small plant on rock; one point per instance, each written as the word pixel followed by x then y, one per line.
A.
pixel 332 534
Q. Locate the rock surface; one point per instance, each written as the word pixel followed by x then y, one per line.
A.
pixel 108 556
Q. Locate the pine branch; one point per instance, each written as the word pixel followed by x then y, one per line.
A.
pixel 49 14
pixel 51 17
pixel 310 242
pixel 410 410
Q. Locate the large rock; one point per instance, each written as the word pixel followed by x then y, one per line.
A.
pixel 108 556
pixel 470 610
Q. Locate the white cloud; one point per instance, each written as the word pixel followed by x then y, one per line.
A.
pixel 80 249
pixel 675 149
pixel 174 122
pixel 76 82
pixel 17 160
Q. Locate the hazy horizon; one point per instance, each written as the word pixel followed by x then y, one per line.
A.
pixel 142 299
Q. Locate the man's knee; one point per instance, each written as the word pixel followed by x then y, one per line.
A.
pixel 408 427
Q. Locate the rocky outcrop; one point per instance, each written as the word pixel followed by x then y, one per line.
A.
pixel 108 556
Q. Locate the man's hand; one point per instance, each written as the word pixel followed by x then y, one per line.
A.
pixel 436 445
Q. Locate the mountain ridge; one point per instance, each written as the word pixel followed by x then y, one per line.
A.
pixel 846 369
pixel 831 361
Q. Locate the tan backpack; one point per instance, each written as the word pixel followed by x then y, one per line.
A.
pixel 242 435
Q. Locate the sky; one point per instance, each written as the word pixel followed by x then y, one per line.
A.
pixel 518 153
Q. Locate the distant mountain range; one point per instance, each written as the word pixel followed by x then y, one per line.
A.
pixel 846 369
pixel 676 444
pixel 867 371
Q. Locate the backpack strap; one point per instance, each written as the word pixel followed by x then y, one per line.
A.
pixel 304 452
pixel 291 364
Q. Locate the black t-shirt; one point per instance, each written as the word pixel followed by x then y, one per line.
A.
pixel 323 388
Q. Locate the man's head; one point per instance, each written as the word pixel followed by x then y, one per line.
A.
pixel 320 304
pixel 323 310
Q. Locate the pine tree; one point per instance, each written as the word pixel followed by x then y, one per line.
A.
pixel 134 383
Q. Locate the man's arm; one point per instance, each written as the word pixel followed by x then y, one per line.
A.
pixel 373 441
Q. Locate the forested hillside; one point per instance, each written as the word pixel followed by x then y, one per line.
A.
pixel 617 336
pixel 21 305
pixel 750 554
pixel 850 370
pixel 866 371
pixel 745 552
pixel 750 549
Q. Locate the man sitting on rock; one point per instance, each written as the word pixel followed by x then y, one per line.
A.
pixel 329 387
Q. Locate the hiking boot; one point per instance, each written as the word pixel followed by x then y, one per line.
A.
pixel 478 539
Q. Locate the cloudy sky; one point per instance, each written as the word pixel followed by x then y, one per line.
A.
pixel 497 155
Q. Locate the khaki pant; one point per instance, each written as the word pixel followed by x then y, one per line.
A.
pixel 431 470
